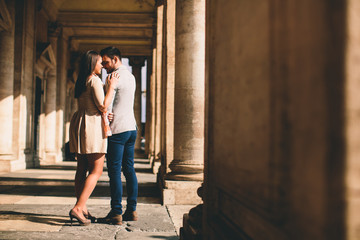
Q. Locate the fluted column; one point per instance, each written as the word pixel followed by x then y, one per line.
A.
pixel 148 106
pixel 23 84
pixel 71 102
pixel 137 63
pixel 167 141
pixel 186 168
pixel 170 81
pixel 7 90
pixel 61 94
pixel 152 108
pixel 189 92
pixel 157 88
pixel 50 102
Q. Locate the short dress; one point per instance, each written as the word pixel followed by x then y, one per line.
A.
pixel 86 128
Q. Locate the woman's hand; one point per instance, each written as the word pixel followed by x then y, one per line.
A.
pixel 113 79
pixel 111 82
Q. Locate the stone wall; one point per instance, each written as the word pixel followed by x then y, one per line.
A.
pixel 275 120
pixel 352 120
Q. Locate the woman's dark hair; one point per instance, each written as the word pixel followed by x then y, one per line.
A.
pixel 111 52
pixel 86 67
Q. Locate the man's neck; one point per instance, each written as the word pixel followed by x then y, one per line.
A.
pixel 117 65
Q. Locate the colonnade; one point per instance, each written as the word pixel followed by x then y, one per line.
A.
pixel 176 95
pixel 289 72
pixel 176 141
pixel 29 140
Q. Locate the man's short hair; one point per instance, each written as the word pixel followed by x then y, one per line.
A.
pixel 111 52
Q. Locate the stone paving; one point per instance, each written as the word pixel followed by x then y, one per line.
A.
pixel 34 204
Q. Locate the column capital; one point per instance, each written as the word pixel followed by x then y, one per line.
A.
pixel 73 70
pixel 54 29
pixel 137 61
pixel 73 44
pixel 5 17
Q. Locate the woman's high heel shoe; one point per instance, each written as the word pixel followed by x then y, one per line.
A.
pixel 89 216
pixel 83 222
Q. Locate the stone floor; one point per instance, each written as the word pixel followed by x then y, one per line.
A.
pixel 34 204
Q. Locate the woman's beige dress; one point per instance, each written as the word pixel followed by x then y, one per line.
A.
pixel 86 128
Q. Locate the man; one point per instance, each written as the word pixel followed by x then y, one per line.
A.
pixel 120 152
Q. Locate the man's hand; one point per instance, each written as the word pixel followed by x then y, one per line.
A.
pixel 111 116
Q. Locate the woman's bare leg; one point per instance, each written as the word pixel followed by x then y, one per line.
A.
pixel 95 166
pixel 80 176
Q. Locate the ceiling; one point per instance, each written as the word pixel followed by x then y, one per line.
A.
pixel 93 24
pixel 107 6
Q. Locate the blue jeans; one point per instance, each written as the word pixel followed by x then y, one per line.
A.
pixel 120 153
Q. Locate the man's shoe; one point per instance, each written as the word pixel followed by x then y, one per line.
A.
pixel 130 216
pixel 111 218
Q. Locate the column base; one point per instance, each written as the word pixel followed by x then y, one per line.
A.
pixel 156 165
pixel 151 159
pixel 181 192
pixel 199 177
pixel 31 160
pixel 50 158
pixel 192 224
pixel 9 164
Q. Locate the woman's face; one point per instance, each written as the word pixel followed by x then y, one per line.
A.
pixel 98 66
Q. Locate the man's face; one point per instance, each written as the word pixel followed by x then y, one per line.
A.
pixel 108 64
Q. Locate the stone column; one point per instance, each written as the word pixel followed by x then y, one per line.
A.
pixel 137 63
pixel 61 94
pixel 148 107
pixel 23 84
pixel 71 101
pixel 158 81
pixel 167 141
pixel 50 102
pixel 6 91
pixel 151 117
pixel 170 82
pixel 187 166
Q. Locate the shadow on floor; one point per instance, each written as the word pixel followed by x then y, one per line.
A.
pixel 165 237
pixel 138 163
pixel 65 188
pixel 33 217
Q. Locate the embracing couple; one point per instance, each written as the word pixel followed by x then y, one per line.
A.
pixel 90 141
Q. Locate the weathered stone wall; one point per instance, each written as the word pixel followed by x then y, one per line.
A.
pixel 352 122
pixel 275 145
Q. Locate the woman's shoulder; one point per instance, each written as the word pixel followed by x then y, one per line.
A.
pixel 94 80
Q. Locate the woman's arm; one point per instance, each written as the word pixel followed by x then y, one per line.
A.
pixel 112 80
pixel 101 102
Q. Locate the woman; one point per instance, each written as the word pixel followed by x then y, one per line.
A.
pixel 87 136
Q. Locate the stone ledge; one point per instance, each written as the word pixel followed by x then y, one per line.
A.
pixel 181 192
pixel 10 165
